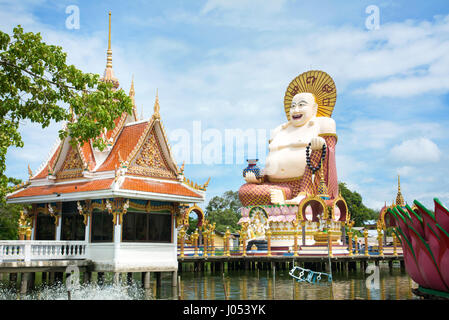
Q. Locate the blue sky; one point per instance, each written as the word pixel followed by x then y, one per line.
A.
pixel 227 63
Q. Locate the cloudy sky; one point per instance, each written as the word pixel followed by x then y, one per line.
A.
pixel 223 65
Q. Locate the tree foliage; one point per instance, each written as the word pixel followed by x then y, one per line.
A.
pixel 224 211
pixel 9 216
pixel 36 83
pixel 358 211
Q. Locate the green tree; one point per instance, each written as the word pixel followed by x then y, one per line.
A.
pixel 35 81
pixel 358 211
pixel 224 211
pixel 9 215
pixel 193 222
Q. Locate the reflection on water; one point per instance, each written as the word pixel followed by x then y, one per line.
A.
pixel 249 285
pixel 242 285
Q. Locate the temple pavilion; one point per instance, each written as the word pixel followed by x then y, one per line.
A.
pixel 125 202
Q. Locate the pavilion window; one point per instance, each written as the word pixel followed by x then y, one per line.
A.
pixel 160 227
pixel 45 227
pixel 147 227
pixel 73 227
pixel 102 227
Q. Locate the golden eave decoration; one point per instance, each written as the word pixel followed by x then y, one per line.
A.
pixel 320 84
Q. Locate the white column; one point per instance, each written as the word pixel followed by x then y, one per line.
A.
pixel 58 228
pixel 175 237
pixel 27 251
pixel 87 229
pixel 117 240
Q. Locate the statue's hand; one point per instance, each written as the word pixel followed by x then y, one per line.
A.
pixel 277 196
pixel 317 143
pixel 250 177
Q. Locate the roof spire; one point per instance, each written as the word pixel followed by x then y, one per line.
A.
pixel 109 52
pixel 399 198
pixel 132 92
pixel 156 106
pixel 132 95
pixel 108 75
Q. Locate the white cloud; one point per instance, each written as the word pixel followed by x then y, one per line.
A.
pixel 238 5
pixel 421 150
pixel 242 84
pixel 406 170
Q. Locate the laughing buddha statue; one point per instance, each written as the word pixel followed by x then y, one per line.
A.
pixel 298 147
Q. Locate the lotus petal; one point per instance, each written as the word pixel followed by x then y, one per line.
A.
pixel 401 222
pixel 444 253
pixel 428 218
pixel 417 221
pixel 428 266
pixel 443 262
pixel 410 261
pixel 433 240
pixel 441 215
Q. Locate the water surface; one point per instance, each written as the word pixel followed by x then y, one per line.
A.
pixel 241 285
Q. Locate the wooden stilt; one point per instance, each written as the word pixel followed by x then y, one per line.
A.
pixel 158 279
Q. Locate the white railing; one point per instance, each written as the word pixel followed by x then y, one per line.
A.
pixel 34 250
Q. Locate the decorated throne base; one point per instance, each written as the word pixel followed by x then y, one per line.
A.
pixel 281 217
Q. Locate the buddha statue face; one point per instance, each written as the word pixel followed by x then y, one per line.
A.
pixel 303 108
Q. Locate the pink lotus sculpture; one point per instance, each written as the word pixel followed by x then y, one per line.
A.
pixel 424 237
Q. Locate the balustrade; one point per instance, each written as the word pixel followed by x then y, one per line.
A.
pixel 29 250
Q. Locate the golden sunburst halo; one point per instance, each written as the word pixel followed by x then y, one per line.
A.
pixel 317 82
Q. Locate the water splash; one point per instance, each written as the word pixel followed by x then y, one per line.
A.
pixel 91 291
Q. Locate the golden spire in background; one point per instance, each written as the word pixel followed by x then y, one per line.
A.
pixel 109 52
pixel 108 75
pixel 132 95
pixel 30 173
pixel 156 106
pixel 399 198
pixel 132 92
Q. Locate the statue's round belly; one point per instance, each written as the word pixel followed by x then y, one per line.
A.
pixel 286 163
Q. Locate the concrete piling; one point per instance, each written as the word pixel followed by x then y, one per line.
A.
pixel 146 280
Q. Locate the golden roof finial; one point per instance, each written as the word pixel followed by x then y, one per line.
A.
pixel 108 75
pixel 156 106
pixel 30 172
pixel 132 95
pixel 132 92
pixel 399 198
pixel 109 52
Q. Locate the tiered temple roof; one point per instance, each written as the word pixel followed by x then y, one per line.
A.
pixel 137 163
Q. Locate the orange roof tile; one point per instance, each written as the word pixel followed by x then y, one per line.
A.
pixel 125 143
pixel 158 187
pixel 88 153
pixel 44 172
pixel 119 121
pixel 64 188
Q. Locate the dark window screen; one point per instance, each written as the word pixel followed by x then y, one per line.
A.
pixel 45 227
pixel 102 227
pixel 147 227
pixel 160 228
pixel 73 227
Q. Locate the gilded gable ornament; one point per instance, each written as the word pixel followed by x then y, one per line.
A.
pixel 72 167
pixel 150 161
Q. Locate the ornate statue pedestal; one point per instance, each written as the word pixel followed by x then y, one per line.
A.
pixel 261 245
pixel 321 238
